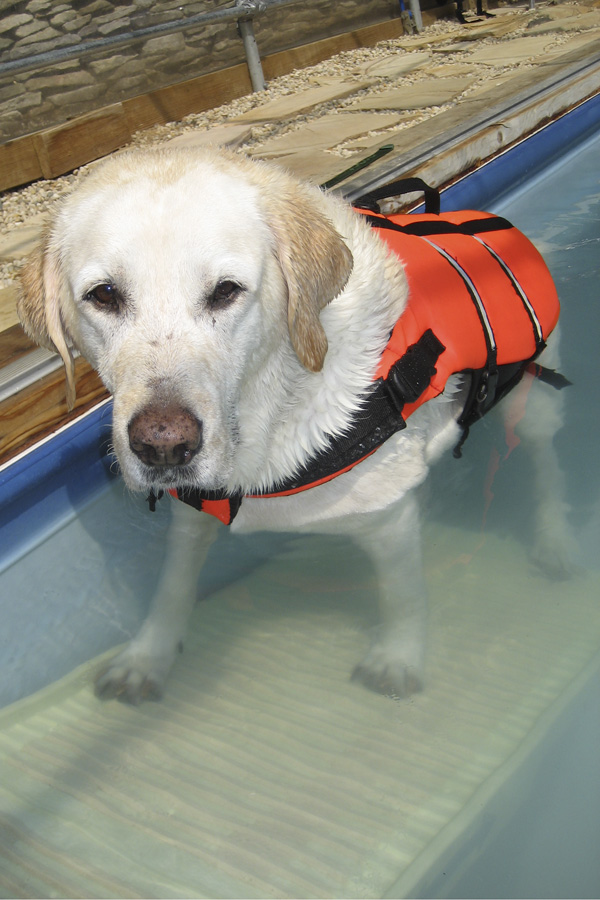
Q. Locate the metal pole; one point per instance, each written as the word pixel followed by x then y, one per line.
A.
pixel 252 55
pixel 51 57
pixel 416 13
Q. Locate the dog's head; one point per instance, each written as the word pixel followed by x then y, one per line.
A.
pixel 180 275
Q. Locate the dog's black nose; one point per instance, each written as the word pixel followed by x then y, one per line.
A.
pixel 165 435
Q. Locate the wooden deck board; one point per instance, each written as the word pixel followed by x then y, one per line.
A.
pixel 41 409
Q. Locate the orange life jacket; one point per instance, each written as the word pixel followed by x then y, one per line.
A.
pixel 481 300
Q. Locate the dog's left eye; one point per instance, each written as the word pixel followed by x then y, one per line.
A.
pixel 225 293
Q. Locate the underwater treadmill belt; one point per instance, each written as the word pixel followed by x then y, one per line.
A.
pixel 265 772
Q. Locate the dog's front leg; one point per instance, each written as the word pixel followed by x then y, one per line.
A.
pixel 395 661
pixel 140 671
pixel 554 547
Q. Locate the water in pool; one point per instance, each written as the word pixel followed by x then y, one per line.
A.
pixel 265 771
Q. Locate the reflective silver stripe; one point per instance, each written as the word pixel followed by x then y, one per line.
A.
pixel 539 334
pixel 472 290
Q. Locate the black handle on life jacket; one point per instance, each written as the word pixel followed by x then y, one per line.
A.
pixel 402 186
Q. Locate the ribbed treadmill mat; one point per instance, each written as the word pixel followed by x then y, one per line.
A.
pixel 265 772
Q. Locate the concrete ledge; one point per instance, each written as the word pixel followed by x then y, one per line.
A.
pixel 450 144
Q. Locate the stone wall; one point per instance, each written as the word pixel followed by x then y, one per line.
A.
pixel 48 95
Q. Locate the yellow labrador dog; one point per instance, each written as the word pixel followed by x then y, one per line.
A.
pixel 238 317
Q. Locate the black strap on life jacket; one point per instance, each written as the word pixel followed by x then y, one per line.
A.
pixel 441 226
pixel 379 417
pixel 396 189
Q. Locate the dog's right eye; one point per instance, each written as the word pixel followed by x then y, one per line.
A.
pixel 105 296
pixel 224 294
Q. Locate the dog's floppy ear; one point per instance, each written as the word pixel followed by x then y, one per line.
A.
pixel 38 307
pixel 316 265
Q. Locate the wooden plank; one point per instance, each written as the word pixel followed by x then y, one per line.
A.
pixel 310 54
pixel 196 95
pixel 142 112
pixel 19 162
pixel 41 408
pixel 86 138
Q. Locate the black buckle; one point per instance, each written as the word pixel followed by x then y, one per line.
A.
pixel 152 499
pixel 486 391
pixel 412 374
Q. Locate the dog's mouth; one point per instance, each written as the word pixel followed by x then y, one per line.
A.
pixel 168 478
pixel 141 477
pixel 161 479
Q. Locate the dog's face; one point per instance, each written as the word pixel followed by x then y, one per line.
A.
pixel 179 276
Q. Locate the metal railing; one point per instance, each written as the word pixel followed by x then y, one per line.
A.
pixel 243 11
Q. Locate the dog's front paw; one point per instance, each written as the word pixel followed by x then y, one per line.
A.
pixel 134 676
pixel 391 668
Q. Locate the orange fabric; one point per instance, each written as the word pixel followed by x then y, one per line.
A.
pixel 221 509
pixel 438 298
